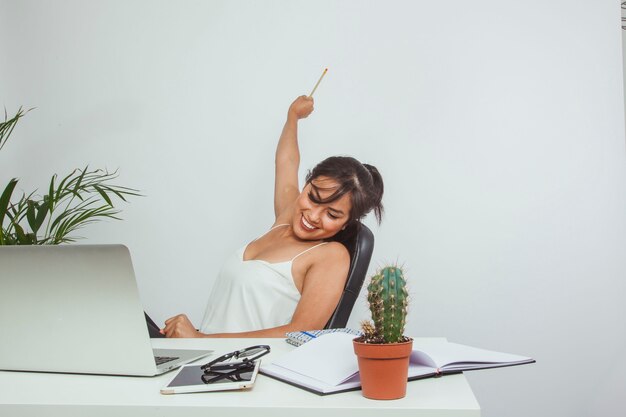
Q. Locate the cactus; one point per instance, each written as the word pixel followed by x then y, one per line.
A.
pixel 387 297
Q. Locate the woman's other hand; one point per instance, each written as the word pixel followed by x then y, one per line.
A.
pixel 179 326
pixel 301 107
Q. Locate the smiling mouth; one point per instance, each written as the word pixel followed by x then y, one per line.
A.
pixel 307 225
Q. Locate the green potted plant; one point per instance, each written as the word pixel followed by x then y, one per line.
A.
pixel 83 196
pixel 383 351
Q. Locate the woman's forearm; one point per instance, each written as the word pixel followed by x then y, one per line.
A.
pixel 286 187
pixel 271 332
pixel 287 150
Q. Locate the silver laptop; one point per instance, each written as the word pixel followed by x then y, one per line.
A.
pixel 76 309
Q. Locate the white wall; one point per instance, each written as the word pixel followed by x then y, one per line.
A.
pixel 498 127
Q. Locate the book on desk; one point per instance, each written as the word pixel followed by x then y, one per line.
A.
pixel 328 365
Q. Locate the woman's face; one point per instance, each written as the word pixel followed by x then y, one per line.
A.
pixel 313 221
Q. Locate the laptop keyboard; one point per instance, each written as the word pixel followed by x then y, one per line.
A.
pixel 160 360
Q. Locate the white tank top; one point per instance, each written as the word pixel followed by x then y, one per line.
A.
pixel 251 295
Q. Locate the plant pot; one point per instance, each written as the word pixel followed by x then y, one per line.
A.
pixel 384 368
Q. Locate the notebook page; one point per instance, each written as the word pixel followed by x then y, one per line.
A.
pixel 329 358
pixel 456 356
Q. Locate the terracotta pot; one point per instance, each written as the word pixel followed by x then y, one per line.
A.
pixel 384 369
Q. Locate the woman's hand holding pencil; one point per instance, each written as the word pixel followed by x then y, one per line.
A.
pixel 303 105
pixel 301 108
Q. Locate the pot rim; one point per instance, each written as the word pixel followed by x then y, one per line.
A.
pixel 382 344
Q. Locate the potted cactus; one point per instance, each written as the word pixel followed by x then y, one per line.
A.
pixel 383 351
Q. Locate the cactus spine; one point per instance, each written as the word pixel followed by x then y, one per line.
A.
pixel 369 330
pixel 387 296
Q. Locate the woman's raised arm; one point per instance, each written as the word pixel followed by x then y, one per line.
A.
pixel 286 188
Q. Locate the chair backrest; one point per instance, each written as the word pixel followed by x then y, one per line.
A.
pixel 360 249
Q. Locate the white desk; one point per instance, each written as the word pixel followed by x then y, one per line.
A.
pixel 39 394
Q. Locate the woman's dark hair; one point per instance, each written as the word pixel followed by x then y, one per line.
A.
pixel 364 183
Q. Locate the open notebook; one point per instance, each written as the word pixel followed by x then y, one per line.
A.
pixel 328 365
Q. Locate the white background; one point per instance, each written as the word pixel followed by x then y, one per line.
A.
pixel 498 128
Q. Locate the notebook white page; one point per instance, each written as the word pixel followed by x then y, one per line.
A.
pixel 329 358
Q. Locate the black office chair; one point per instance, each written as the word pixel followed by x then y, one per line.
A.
pixel 360 249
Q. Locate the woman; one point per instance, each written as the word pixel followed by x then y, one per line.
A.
pixel 291 278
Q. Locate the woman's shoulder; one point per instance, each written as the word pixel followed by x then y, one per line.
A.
pixel 334 252
pixel 329 264
pixel 327 254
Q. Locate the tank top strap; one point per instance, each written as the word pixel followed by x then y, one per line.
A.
pixel 306 250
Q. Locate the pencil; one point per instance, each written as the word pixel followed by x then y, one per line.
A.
pixel 318 82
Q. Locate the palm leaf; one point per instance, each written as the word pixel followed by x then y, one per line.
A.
pixel 4 205
pixel 82 197
pixel 104 195
pixel 31 214
pixel 6 127
pixel 80 178
pixel 21 236
pixel 41 216
pixel 61 187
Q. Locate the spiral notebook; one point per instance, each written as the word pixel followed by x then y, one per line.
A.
pixel 300 338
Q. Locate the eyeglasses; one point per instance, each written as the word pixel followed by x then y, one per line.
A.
pixel 246 358
pixel 242 373
pixel 220 368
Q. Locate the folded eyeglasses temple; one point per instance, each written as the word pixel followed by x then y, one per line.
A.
pixel 252 350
